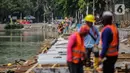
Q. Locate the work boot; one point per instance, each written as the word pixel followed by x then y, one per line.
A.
pixel 96 63
pixel 87 68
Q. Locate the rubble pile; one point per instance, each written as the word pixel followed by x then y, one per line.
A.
pixel 124 25
pixel 128 27
pixel 128 39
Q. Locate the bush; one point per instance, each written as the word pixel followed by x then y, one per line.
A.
pixel 14 26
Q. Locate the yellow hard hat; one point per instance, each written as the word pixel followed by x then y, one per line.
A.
pixel 9 64
pixel 90 18
pixel 62 22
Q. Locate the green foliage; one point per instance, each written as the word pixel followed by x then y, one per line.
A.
pixel 40 8
pixel 82 5
pixel 14 26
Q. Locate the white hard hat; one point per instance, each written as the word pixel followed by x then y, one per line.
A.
pixel 107 13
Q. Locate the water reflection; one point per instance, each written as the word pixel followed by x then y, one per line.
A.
pixel 19 44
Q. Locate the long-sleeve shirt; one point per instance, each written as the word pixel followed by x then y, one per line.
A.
pixel 89 41
pixel 78 26
pixel 71 43
pixel 107 37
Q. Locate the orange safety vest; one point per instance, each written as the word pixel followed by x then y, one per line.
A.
pixel 112 50
pixel 78 52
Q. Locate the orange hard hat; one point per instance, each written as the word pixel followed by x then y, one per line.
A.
pixel 84 29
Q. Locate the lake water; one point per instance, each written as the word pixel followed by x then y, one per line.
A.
pixel 19 44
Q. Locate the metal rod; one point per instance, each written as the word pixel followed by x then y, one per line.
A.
pixel 52 18
pixel 87 10
pixel 93 6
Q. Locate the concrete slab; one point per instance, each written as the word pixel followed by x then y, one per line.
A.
pixel 51 59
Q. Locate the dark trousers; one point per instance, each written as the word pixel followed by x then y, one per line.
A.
pixel 109 64
pixel 75 68
pixel 89 51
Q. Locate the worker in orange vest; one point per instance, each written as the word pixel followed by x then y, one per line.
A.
pixel 109 42
pixel 76 52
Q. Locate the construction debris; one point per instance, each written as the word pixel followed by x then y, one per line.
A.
pixel 124 25
pixel 129 40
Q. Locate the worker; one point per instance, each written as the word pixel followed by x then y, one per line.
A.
pixel 76 52
pixel 91 41
pixel 66 25
pixel 109 42
pixel 60 28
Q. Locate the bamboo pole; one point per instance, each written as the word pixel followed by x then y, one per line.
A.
pixel 54 66
pixel 29 70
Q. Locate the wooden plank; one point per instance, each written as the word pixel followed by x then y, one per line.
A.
pixel 45 49
pixel 29 70
pixel 124 56
pixel 54 66
pixel 52 70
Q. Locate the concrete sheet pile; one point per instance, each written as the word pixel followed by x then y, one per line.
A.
pixel 56 54
pixel 123 34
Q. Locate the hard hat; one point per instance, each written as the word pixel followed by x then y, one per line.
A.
pixel 90 18
pixel 9 64
pixel 84 29
pixel 107 13
pixel 107 17
pixel 62 22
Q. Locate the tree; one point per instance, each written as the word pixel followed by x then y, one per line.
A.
pixel 46 9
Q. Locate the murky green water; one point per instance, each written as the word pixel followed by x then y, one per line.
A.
pixel 18 44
